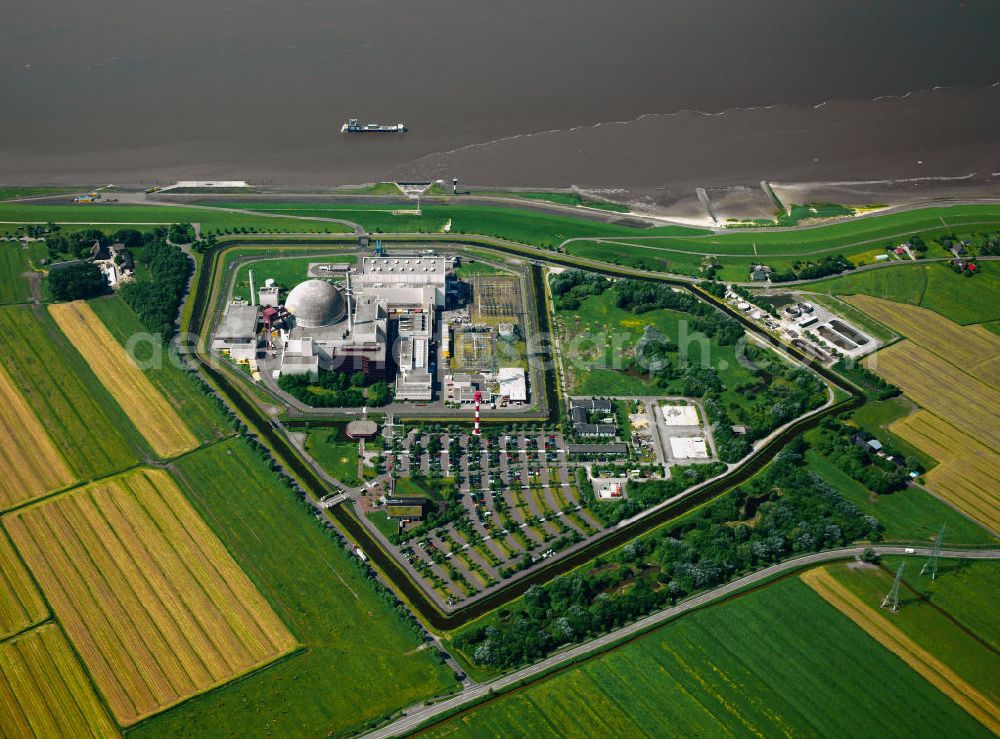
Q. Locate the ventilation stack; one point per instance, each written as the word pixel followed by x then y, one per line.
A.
pixel 350 303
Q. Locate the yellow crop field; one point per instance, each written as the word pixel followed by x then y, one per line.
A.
pixel 967 471
pixel 44 691
pixel 892 638
pixel 20 602
pixel 148 595
pixel 29 462
pixel 969 404
pixel 149 410
pixel 972 348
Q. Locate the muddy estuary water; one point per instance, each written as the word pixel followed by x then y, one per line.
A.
pixel 653 96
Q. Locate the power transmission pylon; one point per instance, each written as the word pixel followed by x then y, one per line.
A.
pixel 893 597
pixel 931 565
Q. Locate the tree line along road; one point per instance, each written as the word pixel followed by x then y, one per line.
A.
pixel 415 716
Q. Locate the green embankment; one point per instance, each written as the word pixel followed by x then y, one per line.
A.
pixel 753 665
pixel 12 193
pixel 560 198
pixel 162 366
pixel 359 661
pixel 376 188
pixel 82 418
pixel 119 216
pixel 738 249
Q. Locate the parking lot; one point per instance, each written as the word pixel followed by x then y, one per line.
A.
pixel 514 500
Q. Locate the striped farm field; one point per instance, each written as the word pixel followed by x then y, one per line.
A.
pixel 752 666
pixel 927 665
pixel 150 598
pixel 941 387
pixel 21 604
pixel 44 691
pixel 972 348
pixel 153 416
pixel 200 413
pixel 967 471
pixel 78 414
pixel 30 464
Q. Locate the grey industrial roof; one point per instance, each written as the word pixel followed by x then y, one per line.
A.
pixel 239 322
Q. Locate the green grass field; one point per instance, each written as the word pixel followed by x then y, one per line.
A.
pixel 383 523
pixel 467 269
pixel 14 262
pixel 755 665
pixel 903 283
pixel 200 413
pixel 965 639
pixel 933 286
pixel 598 316
pixel 908 515
pixel 82 418
pixel 286 272
pixel 360 660
pixel 335 453
pixel 423 487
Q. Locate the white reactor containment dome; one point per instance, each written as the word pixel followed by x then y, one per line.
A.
pixel 315 303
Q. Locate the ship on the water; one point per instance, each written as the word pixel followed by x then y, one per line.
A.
pixel 352 126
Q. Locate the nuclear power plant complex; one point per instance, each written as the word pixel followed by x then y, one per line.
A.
pixel 384 317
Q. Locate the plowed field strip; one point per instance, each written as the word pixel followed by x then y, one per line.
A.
pixel 970 348
pixel 923 662
pixel 149 410
pixel 942 388
pixel 44 692
pixel 156 606
pixel 61 391
pixel 192 639
pixel 968 471
pixel 144 607
pixel 249 616
pixel 20 602
pixel 218 637
pixel 30 465
pixel 122 686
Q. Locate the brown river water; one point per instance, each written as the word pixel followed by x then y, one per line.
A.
pixel 651 96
